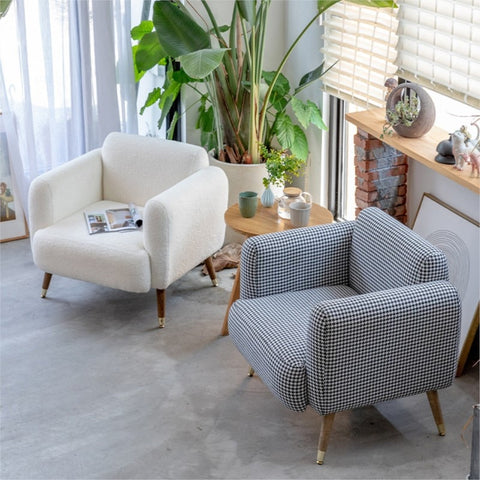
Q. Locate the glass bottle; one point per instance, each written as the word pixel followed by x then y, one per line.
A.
pixel 290 195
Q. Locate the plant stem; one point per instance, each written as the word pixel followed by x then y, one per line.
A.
pixel 213 95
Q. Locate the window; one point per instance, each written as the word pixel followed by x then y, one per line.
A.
pixel 62 88
pixel 360 44
pixel 439 46
pixel 434 43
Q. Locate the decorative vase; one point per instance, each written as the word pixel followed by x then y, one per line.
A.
pixel 267 198
pixel 426 115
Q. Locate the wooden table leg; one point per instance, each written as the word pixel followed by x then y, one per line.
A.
pixel 235 295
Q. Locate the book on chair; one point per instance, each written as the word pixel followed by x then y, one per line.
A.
pixel 113 220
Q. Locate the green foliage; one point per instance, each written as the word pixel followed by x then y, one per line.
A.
pixel 206 124
pixel 4 5
pixel 281 166
pixel 243 107
pixel 406 111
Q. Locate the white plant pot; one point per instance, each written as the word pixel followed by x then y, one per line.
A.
pixel 241 178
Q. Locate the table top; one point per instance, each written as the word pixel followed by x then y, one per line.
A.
pixel 266 220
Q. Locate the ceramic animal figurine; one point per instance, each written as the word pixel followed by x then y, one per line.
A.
pixel 445 154
pixel 465 150
pixel 474 160
pixel 390 83
pixel 461 150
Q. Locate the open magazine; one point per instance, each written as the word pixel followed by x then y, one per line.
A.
pixel 113 220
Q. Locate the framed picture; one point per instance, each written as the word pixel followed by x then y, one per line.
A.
pixel 458 237
pixel 12 218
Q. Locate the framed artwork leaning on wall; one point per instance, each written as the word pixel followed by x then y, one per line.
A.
pixel 12 218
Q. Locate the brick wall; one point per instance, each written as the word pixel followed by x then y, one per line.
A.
pixel 380 176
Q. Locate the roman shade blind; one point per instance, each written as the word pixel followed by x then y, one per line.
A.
pixel 439 46
pixel 435 43
pixel 362 41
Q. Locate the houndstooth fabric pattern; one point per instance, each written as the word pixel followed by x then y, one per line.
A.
pixel 387 254
pixel 297 259
pixel 378 346
pixel 271 333
pixel 384 324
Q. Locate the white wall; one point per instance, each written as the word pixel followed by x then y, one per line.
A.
pixel 423 180
pixel 304 59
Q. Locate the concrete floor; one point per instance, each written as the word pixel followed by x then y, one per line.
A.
pixel 91 389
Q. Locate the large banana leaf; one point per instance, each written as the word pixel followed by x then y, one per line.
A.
pixel 146 26
pixel 149 52
pixel 247 10
pixel 177 32
pixel 201 63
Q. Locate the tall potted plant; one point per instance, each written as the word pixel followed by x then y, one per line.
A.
pixel 241 106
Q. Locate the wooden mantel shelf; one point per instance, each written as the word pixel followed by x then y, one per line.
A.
pixel 421 149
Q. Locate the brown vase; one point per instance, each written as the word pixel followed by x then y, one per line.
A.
pixel 426 116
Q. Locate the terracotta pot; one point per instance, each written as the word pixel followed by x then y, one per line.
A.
pixel 426 116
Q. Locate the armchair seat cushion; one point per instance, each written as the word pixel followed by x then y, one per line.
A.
pixel 117 259
pixel 279 324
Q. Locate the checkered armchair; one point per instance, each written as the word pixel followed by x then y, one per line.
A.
pixel 346 315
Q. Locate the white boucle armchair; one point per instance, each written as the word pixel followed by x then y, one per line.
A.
pixel 180 197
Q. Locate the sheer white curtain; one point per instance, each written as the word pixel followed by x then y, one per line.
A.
pixel 66 80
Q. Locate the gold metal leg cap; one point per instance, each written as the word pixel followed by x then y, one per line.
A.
pixel 44 293
pixel 320 457
pixel 251 372
pixel 215 282
pixel 161 322
pixel 441 429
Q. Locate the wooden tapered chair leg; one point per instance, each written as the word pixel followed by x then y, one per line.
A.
pixel 161 307
pixel 234 295
pixel 211 271
pixel 437 411
pixel 324 436
pixel 46 283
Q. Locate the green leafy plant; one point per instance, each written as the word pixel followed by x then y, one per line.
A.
pixel 281 166
pixel 4 5
pixel 405 113
pixel 241 106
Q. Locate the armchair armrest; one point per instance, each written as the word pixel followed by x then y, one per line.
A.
pixel 184 224
pixel 60 192
pixel 378 346
pixel 296 260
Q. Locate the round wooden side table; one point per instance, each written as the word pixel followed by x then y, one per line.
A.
pixel 266 220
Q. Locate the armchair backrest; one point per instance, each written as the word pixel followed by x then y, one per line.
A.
pixel 137 168
pixel 387 254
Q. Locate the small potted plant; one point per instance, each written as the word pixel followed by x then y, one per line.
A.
pixel 405 112
pixel 281 167
pixel 409 111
